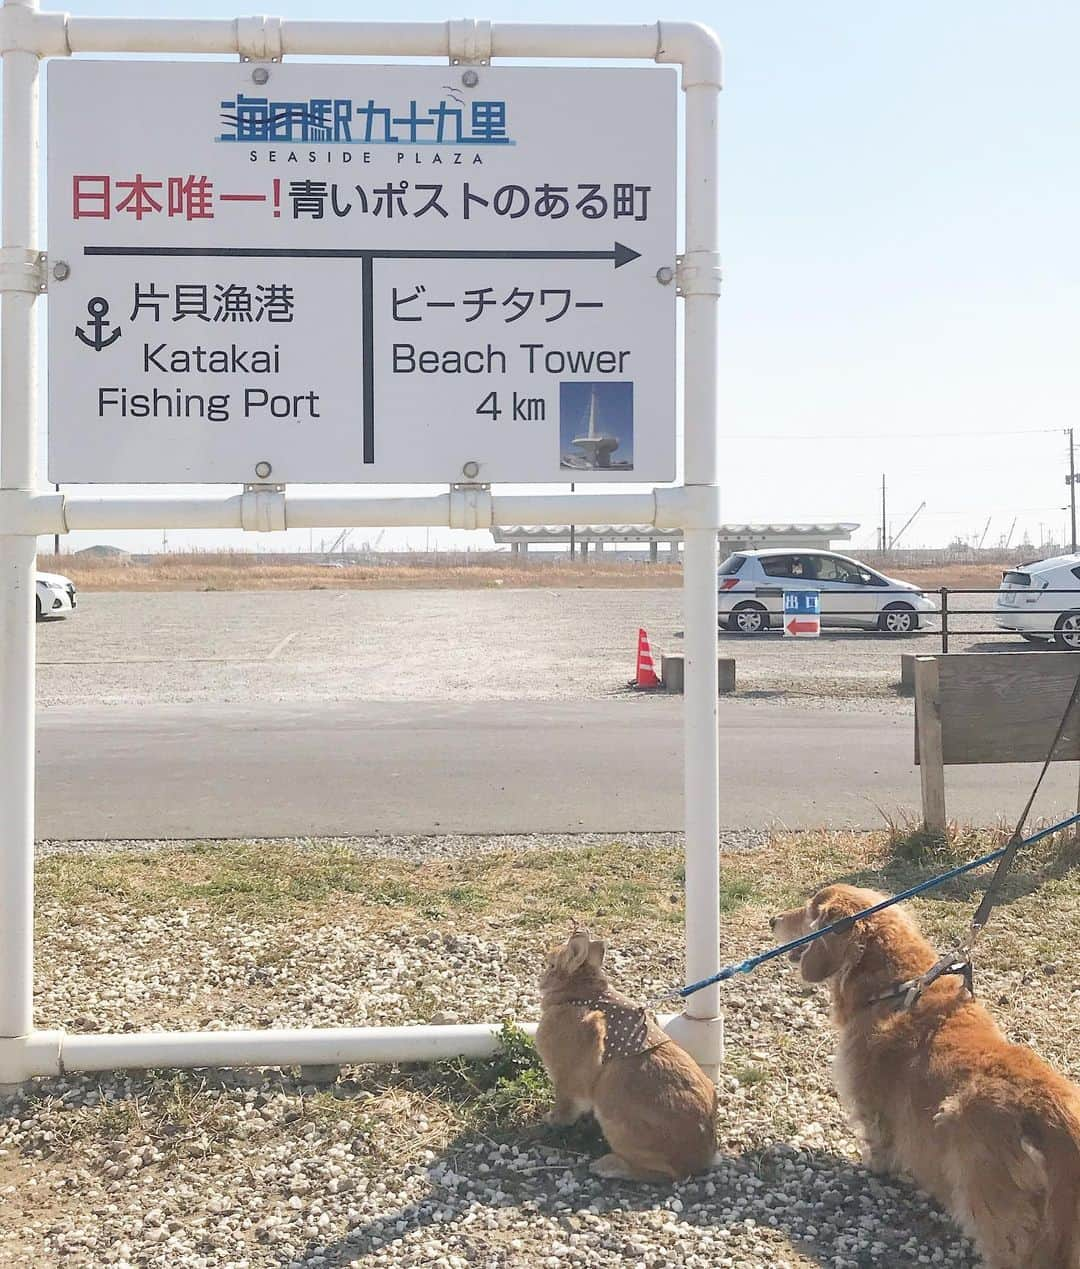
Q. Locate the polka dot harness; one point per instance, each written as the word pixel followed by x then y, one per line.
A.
pixel 630 1030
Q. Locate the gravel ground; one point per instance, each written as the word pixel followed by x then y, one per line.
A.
pixel 434 646
pixel 254 1169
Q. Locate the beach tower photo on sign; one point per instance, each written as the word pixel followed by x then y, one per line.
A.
pixel 596 426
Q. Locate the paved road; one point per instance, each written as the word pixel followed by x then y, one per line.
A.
pixel 200 770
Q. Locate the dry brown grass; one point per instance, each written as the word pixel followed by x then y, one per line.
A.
pixel 986 576
pixel 238 570
pixel 209 571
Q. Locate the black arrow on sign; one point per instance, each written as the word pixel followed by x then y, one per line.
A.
pixel 619 255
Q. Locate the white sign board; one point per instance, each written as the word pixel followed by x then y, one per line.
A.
pixel 348 273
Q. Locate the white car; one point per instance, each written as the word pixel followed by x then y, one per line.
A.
pixel 1041 601
pixel 55 595
pixel 750 589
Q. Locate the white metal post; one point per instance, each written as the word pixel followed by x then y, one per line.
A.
pixel 700 1029
pixel 18 419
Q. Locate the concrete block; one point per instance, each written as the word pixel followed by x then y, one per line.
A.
pixel 907 674
pixel 673 673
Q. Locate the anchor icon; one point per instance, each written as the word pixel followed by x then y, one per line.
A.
pixel 97 308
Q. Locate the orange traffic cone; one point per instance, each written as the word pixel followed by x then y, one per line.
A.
pixel 646 674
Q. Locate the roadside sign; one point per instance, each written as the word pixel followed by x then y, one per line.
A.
pixel 802 614
pixel 354 273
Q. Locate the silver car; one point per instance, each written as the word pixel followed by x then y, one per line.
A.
pixel 750 588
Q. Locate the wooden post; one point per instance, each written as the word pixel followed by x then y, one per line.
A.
pixel 928 739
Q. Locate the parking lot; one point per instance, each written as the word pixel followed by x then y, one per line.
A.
pixel 427 645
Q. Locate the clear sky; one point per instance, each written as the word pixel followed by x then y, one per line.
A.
pixel 900 230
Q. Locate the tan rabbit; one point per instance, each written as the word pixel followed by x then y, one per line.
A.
pixel 656 1107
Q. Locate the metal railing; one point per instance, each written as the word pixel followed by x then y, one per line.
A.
pixel 1048 632
pixel 947 612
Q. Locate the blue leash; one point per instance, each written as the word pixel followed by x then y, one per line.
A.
pixel 845 923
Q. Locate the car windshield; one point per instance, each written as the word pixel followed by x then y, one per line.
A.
pixel 731 566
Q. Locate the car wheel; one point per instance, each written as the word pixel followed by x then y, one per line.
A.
pixel 1067 631
pixel 898 619
pixel 748 619
pixel 40 614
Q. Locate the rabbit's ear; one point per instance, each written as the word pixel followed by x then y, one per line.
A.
pixel 575 952
pixel 597 948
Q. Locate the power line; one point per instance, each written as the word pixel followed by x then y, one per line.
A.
pixel 897 473
pixel 977 511
pixel 884 436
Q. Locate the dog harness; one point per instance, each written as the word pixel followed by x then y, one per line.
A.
pixel 630 1030
pixel 906 995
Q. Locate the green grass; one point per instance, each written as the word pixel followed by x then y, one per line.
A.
pixel 509 1090
pixel 748 1076
pixel 506 1095
pixel 615 888
pixel 611 885
pixel 225 876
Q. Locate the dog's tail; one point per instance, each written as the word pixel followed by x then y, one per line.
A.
pixel 1017 1179
pixel 1058 1146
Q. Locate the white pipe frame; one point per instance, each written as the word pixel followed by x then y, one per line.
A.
pixel 26 36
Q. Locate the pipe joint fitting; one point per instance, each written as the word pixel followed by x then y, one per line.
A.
pixel 696 49
pixel 23 269
pixel 23 513
pixel 469 41
pixel 698 273
pixel 687 507
pixel 260 39
pixel 26 30
pixel 23 1056
pixel 702 1038
pixel 471 507
pixel 262 508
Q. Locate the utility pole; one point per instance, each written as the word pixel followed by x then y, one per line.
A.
pixel 1072 491
pixel 884 530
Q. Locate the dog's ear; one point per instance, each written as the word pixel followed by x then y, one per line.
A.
pixel 827 955
pixel 824 957
pixel 576 951
pixel 597 948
